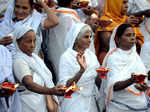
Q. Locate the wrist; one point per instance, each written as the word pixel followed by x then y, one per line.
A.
pixel 82 70
pixel 51 91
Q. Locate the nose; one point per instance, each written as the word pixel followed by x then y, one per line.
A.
pixel 20 10
pixel 33 44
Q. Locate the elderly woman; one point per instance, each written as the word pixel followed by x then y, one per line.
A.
pixel 32 74
pixel 9 101
pixel 78 64
pixel 22 12
pixel 123 93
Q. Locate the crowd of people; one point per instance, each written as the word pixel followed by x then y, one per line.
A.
pixel 47 46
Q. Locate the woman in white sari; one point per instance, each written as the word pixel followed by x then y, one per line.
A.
pixel 22 12
pixel 8 102
pixel 121 92
pixel 78 64
pixel 32 74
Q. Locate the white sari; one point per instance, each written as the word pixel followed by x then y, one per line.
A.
pixel 84 100
pixel 8 25
pixel 55 43
pixel 32 102
pixel 6 74
pixel 122 64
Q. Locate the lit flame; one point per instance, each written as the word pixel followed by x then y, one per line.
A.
pixel 73 88
pixel 16 85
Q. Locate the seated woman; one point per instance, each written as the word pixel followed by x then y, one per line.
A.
pixel 22 12
pixel 78 64
pixel 9 101
pixel 32 74
pixel 114 12
pixel 122 90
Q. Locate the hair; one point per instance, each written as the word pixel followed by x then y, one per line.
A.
pixel 83 30
pixel 31 2
pixel 64 3
pixel 121 29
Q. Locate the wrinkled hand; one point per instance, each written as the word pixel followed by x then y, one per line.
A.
pixel 6 40
pixel 59 90
pixel 81 60
pixel 141 87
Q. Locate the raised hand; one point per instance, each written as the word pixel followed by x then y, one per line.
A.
pixel 81 60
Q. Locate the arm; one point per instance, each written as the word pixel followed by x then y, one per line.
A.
pixel 52 19
pixel 82 64
pixel 76 77
pixel 124 84
pixel 34 87
pixel 141 13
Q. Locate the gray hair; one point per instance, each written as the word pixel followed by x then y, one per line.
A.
pixel 83 30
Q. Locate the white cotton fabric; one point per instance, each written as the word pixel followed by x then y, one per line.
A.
pixel 32 102
pixel 57 36
pixel 145 50
pixel 7 26
pixel 84 100
pixel 6 74
pixel 138 5
pixel 122 64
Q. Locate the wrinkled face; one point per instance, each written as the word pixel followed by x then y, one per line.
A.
pixel 27 43
pixel 22 9
pixel 127 40
pixel 124 7
pixel 84 42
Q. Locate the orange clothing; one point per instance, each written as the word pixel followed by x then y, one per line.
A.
pixel 112 12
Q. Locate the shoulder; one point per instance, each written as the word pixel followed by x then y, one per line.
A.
pixel 19 62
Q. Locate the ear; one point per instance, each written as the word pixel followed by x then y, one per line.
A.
pixel 117 41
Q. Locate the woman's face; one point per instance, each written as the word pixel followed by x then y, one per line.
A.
pixel 27 43
pixel 22 9
pixel 127 40
pixel 124 7
pixel 84 42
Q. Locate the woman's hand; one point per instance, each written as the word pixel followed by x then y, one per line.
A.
pixel 141 87
pixel 4 93
pixel 6 40
pixel 81 60
pixel 58 90
pixel 133 20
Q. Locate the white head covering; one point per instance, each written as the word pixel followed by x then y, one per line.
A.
pixel 18 33
pixel 113 46
pixel 122 64
pixel 74 33
pixel 34 61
